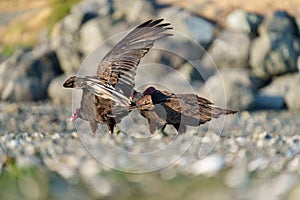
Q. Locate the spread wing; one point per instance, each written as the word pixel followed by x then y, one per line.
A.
pixel 99 88
pixel 118 67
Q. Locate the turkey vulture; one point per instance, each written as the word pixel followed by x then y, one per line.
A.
pixel 180 110
pixel 106 95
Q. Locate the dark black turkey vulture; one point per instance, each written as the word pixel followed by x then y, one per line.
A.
pixel 180 110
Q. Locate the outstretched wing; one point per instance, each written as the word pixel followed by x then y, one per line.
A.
pixel 118 67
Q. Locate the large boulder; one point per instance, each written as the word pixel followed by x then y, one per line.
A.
pixel 65 42
pixel 242 21
pixel 25 76
pixel 275 95
pixel 230 88
pixel 292 97
pixel 66 35
pixel 271 56
pixel 57 93
pixel 90 35
pixel 276 51
pixel 199 29
pixel 67 53
pixel 230 49
pixel 134 11
pixel 279 22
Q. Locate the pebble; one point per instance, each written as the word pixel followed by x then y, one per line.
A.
pixel 208 166
pixel 261 142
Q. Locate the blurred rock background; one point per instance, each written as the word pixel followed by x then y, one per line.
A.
pixel 255 48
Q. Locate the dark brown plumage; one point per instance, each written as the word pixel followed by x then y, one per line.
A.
pixel 180 110
pixel 106 95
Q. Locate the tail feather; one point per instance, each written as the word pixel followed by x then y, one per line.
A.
pixel 216 112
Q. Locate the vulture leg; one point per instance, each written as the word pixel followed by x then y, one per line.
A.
pixel 93 126
pixel 181 129
pixel 163 131
pixel 111 126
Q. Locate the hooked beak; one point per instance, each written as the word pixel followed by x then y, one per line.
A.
pixel 72 119
pixel 74 116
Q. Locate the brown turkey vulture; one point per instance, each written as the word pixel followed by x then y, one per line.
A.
pixel 180 110
pixel 106 96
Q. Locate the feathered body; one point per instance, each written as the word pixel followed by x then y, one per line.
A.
pixel 180 110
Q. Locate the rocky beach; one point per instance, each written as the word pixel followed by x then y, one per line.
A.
pixel 248 61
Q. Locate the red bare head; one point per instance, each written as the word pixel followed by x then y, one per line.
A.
pixel 149 91
pixel 75 115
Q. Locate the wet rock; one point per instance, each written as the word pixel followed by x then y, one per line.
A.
pixel 230 49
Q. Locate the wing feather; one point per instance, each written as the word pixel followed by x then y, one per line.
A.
pixel 119 65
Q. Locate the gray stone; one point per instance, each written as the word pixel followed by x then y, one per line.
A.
pixel 91 6
pixel 237 21
pixel 254 21
pixel 176 17
pixel 68 55
pixel 196 27
pixel 279 22
pixel 274 55
pixel 230 88
pixel 276 51
pixel 263 101
pixel 230 49
pixel 297 20
pixel 90 36
pixel 292 98
pixel 259 48
pixel 274 95
pixel 175 52
pixel 241 21
pixel 298 64
pixel 57 93
pixel 27 75
pixel 281 84
pixel 71 23
pixel 292 93
pixel 133 11
pixel 200 29
pixel 111 28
